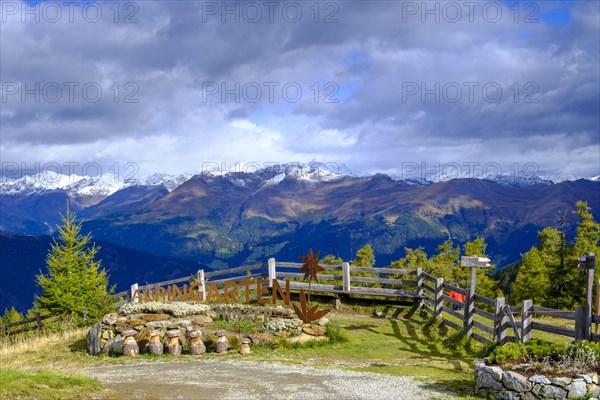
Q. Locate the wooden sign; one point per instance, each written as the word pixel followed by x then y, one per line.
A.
pixel 474 261
pixel 587 262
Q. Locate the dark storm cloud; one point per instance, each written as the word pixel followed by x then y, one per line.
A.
pixel 370 58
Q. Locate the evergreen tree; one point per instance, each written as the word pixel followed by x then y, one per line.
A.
pixel 364 257
pixel 331 259
pixel 11 315
pixel 443 264
pixel 532 279
pixel 414 258
pixel 75 285
pixel 588 231
pixel 486 286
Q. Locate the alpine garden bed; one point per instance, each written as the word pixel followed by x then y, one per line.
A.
pixel 539 370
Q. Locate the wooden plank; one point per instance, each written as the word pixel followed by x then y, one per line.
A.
pixel 453 325
pixel 481 339
pixel 453 301
pixel 169 282
pixel 296 275
pixel 452 312
pixel 124 293
pixel 430 278
pixel 484 314
pixel 595 337
pixel 559 330
pixel 25 321
pixel 238 278
pixel 426 286
pixel 389 271
pixel 485 300
pixel 295 265
pixel 383 292
pixel 483 327
pixel 596 319
pixel 387 281
pixel 228 271
pixel 428 309
pixel 455 288
pixel 428 297
pixel 552 312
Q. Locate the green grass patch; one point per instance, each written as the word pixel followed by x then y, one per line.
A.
pixel 45 384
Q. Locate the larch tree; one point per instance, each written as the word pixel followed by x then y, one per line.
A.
pixel 75 285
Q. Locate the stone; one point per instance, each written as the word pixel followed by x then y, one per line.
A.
pixel 323 322
pixel 123 328
pixel 484 379
pixel 108 334
pixel 594 378
pixel 528 396
pixel 516 382
pixel 155 346
pixel 577 389
pixel 114 345
pixel 305 338
pixel 262 338
pixel 130 346
pixel 201 320
pixel 158 324
pixel 135 322
pixel 553 392
pixel 309 331
pixel 93 339
pixel 155 317
pixel 593 390
pixel 110 319
pixel 221 344
pixel 560 381
pixel 496 372
pixel 121 320
pixel 508 395
pixel 174 346
pixel 180 323
pixel 245 346
pixel 536 388
pixel 540 379
pixel 586 378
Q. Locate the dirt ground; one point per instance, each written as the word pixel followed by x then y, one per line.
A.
pixel 235 379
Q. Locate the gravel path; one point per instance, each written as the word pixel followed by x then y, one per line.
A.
pixel 246 380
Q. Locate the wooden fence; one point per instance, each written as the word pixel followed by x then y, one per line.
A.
pixel 484 319
pixel 25 325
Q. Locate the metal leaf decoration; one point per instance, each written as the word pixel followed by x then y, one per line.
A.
pixel 310 268
pixel 308 315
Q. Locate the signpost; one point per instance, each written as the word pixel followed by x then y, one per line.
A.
pixel 588 262
pixel 474 262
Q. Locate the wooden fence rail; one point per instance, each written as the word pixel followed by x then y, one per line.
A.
pixel 7 329
pixel 482 318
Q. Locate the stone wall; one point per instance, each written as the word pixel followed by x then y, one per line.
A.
pixel 106 336
pixel 509 385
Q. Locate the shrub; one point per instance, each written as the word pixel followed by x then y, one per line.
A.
pixel 336 334
pixel 510 351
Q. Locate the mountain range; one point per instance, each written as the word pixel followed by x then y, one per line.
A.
pixel 230 218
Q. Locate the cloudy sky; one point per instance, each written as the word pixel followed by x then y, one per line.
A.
pixel 381 86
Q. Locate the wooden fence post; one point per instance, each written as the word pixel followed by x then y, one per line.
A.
pixel 201 281
pixel 470 304
pixel 420 282
pixel 134 287
pixel 346 276
pixel 272 272
pixel 500 321
pixel 526 320
pixel 38 319
pixel 597 302
pixel 438 297
pixel 581 318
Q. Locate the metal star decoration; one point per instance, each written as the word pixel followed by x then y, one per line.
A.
pixel 310 268
pixel 311 265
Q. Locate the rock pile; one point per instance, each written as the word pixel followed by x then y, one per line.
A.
pixel 493 381
pixel 157 332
